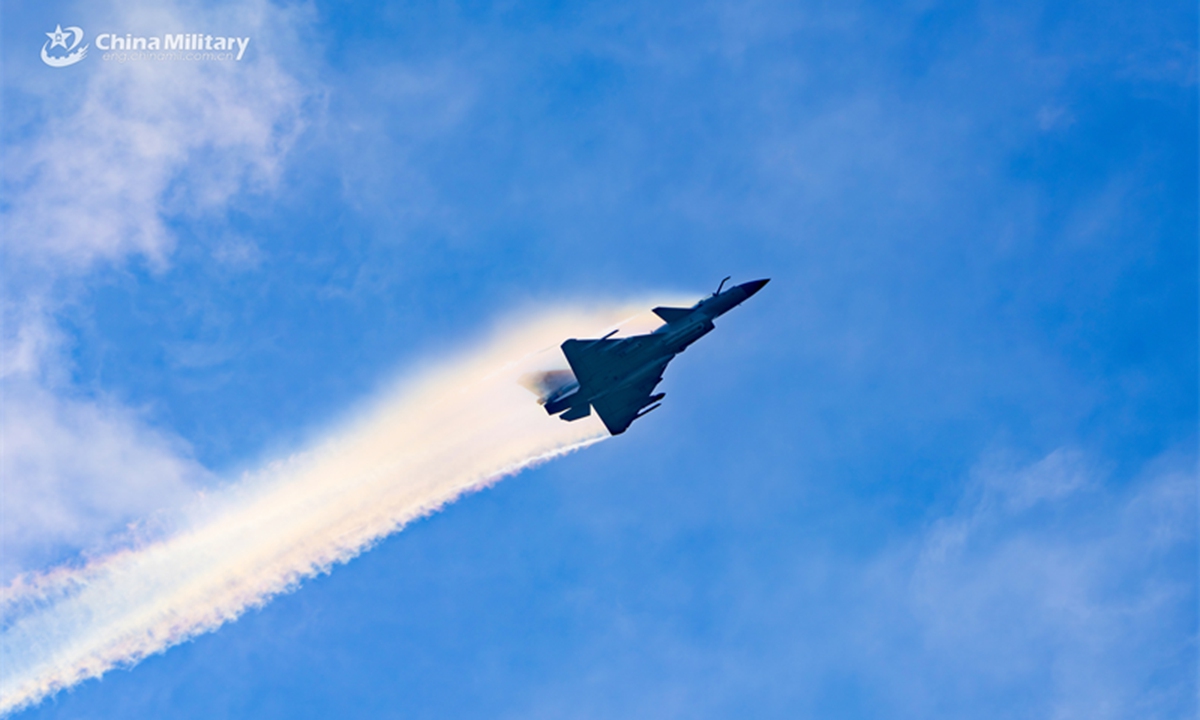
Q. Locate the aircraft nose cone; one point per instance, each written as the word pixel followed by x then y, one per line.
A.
pixel 754 286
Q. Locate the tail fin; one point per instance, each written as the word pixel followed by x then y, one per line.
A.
pixel 671 314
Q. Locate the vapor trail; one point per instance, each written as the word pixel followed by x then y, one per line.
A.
pixel 453 429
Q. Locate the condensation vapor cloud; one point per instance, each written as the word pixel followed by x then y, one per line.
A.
pixel 456 428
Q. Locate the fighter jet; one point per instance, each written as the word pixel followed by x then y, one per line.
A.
pixel 616 376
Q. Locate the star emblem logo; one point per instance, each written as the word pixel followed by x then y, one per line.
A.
pixel 68 40
pixel 57 38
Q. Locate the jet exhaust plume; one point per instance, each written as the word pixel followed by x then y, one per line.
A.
pixel 545 382
pixel 452 430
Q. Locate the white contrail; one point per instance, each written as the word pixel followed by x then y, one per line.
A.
pixel 454 429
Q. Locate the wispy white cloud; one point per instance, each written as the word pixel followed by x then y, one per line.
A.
pixel 1046 591
pixel 1056 588
pixel 76 471
pixel 93 184
pixel 148 139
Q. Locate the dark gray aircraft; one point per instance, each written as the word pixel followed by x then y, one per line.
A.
pixel 617 376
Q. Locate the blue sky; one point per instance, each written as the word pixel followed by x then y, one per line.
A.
pixel 943 466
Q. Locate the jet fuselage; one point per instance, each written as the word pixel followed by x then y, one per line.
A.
pixel 616 375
